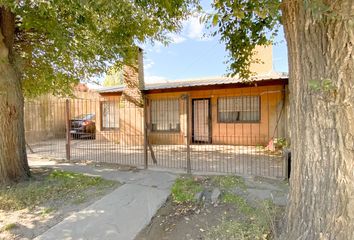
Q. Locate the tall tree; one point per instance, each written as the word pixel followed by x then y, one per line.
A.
pixel 320 39
pixel 114 77
pixel 47 46
pixel 13 161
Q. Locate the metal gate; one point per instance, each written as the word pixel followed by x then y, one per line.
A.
pixel 86 129
pixel 191 133
pixel 237 132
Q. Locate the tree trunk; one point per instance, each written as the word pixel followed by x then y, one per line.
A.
pixel 321 82
pixel 13 159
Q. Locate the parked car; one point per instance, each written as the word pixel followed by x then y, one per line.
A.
pixel 83 126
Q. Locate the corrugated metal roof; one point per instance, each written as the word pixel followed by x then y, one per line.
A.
pixel 201 82
pixel 111 89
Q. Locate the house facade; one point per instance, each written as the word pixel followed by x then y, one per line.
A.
pixel 216 124
pixel 212 111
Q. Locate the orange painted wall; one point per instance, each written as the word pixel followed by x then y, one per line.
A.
pixel 165 138
pixel 265 55
pixel 229 133
pixel 130 131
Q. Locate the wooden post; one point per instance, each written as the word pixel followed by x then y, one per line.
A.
pixel 68 136
pixel 145 133
pixel 189 167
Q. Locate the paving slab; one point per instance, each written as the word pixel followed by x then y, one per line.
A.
pixel 265 189
pixel 119 215
pixel 159 179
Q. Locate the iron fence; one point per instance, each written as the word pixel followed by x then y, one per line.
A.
pixel 240 133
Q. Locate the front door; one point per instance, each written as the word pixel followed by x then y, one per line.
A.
pixel 201 120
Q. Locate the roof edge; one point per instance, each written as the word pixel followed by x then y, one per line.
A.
pixel 202 82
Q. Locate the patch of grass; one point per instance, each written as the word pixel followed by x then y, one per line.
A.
pixel 233 230
pixel 267 216
pixel 260 147
pixel 257 222
pixel 9 227
pixel 184 189
pixel 48 210
pixel 80 199
pixel 57 186
pixel 239 202
pixel 228 182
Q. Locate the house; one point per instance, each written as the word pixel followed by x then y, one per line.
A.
pixel 220 110
pixel 217 110
pixel 215 124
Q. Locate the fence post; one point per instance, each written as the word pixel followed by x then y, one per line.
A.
pixel 189 168
pixel 145 133
pixel 68 137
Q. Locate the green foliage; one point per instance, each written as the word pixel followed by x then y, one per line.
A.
pixel 228 182
pixel 114 77
pixel 320 8
pixel 61 42
pixel 242 26
pixel 314 85
pixel 323 85
pixel 57 186
pixel 184 190
pixel 239 201
pixel 234 230
pixel 9 227
pixel 48 210
pixel 280 143
pixel 258 221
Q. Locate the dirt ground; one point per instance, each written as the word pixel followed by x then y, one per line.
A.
pixel 243 160
pixel 28 223
pixel 206 220
pixel 172 223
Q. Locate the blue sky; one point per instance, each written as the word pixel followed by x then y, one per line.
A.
pixel 191 55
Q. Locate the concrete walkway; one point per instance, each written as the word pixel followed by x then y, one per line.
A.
pixel 119 215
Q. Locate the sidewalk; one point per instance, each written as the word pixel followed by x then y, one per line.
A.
pixel 119 215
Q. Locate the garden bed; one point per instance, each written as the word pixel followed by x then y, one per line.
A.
pixel 242 210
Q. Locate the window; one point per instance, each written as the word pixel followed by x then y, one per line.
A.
pixel 239 109
pixel 165 115
pixel 110 114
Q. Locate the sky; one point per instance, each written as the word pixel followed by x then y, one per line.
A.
pixel 192 55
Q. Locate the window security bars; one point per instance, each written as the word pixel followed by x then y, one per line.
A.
pixel 110 115
pixel 239 109
pixel 224 132
pixel 165 115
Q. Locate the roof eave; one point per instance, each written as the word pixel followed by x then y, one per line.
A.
pixel 280 81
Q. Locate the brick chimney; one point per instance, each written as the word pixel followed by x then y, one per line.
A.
pixel 133 77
